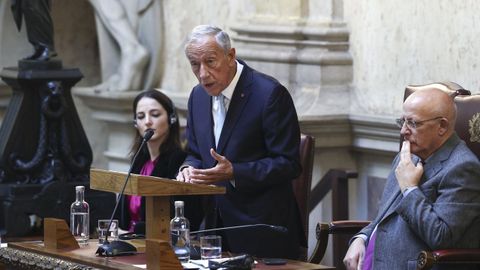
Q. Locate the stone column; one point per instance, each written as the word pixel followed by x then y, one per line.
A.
pixel 114 109
pixel 304 44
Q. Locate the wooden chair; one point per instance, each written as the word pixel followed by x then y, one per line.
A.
pixel 468 128
pixel 303 183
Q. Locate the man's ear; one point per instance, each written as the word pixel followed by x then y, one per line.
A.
pixel 444 126
pixel 231 55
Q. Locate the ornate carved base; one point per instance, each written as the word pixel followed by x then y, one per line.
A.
pixel 114 109
pixel 44 151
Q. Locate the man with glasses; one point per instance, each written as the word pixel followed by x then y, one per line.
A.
pixel 432 196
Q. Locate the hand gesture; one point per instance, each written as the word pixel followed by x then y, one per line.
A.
pixel 222 171
pixel 408 174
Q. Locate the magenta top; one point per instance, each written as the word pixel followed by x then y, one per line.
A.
pixel 134 201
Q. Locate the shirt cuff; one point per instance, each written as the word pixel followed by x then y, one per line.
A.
pixel 408 190
pixel 363 236
pixel 182 167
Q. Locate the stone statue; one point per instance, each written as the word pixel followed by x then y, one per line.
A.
pixel 129 34
pixel 39 26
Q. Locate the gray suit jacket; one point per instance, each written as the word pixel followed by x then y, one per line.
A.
pixel 444 212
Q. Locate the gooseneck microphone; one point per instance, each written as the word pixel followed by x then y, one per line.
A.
pixel 119 248
pixel 276 228
pixel 146 137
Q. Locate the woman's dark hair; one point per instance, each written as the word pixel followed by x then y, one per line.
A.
pixel 173 139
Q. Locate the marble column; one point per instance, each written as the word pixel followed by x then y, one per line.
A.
pixel 304 44
pixel 114 109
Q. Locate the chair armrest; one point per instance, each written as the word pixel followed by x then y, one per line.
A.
pixel 346 226
pixel 427 259
pixel 334 227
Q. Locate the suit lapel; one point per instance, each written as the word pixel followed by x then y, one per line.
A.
pixel 240 97
pixel 206 118
pixel 434 164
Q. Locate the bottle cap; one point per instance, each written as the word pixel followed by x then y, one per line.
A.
pixel 179 204
pixel 79 188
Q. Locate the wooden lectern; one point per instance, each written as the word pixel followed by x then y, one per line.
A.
pixel 157 192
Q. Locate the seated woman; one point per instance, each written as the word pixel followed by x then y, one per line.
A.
pixel 161 156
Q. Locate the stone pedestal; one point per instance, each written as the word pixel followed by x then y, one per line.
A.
pixel 41 138
pixel 115 110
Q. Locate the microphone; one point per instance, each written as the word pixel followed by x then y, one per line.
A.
pixel 119 248
pixel 276 228
pixel 147 136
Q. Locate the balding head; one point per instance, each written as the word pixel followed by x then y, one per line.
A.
pixel 434 102
pixel 434 113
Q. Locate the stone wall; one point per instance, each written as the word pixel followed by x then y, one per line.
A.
pixel 413 42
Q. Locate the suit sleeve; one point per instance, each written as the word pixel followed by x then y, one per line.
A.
pixel 281 138
pixel 193 158
pixel 391 186
pixel 174 163
pixel 441 223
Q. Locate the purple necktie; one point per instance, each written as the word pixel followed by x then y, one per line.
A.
pixel 368 261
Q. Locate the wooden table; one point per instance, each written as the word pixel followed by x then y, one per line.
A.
pixel 86 256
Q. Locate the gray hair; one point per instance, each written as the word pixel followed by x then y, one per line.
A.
pixel 202 31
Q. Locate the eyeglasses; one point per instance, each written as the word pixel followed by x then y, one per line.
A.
pixel 412 124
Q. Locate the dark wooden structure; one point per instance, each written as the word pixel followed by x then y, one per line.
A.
pixel 44 152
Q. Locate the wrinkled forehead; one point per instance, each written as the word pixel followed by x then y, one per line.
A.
pixel 418 107
pixel 202 48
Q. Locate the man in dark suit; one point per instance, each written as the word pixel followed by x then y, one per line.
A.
pixel 432 196
pixel 243 134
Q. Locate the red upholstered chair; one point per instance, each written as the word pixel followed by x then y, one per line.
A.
pixel 468 128
pixel 303 183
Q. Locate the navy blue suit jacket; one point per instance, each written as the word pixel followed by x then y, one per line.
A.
pixel 261 138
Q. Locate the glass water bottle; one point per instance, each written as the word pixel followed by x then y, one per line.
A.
pixel 79 217
pixel 180 233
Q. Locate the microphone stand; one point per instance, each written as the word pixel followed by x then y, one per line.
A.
pixel 195 251
pixel 272 227
pixel 114 248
